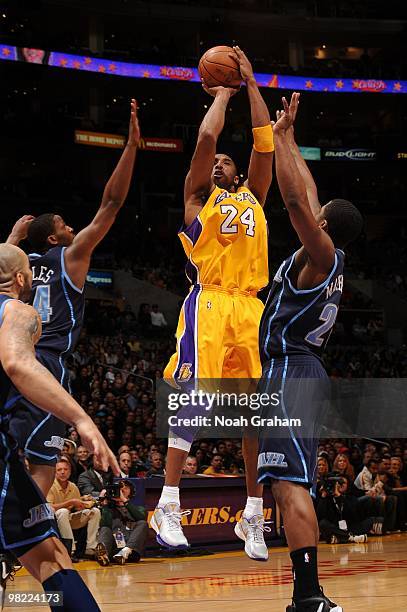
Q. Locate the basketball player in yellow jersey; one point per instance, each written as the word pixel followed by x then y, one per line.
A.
pixel 225 239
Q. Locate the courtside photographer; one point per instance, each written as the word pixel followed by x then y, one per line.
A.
pixel 123 528
pixel 338 513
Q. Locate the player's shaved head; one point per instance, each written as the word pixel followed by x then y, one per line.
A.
pixel 15 273
pixel 12 260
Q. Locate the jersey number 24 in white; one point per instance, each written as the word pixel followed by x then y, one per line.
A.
pixel 246 218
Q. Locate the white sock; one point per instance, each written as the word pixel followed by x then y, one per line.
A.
pixel 126 551
pixel 254 505
pixel 169 494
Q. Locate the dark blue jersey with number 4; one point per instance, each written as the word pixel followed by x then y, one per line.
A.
pixel 58 301
pixel 300 321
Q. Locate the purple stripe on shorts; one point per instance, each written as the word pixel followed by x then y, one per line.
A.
pixel 186 360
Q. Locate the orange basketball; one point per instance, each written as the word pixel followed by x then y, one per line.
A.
pixel 216 67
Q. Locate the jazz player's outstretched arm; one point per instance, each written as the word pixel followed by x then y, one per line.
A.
pixel 312 191
pixel 198 182
pixel 261 162
pixel 317 243
pixel 78 254
pixel 20 329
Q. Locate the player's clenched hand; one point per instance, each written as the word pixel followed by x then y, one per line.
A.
pixel 20 229
pixel 134 128
pixel 286 117
pixel 219 90
pixel 245 66
pixel 93 440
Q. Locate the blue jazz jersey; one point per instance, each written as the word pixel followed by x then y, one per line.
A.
pixel 300 321
pixel 25 518
pixel 60 305
pixel 59 302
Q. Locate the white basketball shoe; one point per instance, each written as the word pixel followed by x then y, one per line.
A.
pixel 251 531
pixel 166 522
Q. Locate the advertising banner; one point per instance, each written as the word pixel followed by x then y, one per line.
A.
pixel 116 141
pixel 98 139
pixel 349 155
pixel 180 73
pixel 164 145
pixel 216 504
pixel 311 153
pixel 100 278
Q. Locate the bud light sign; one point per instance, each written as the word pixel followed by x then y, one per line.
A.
pixel 349 155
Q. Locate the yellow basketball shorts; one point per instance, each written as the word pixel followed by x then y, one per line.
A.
pixel 217 336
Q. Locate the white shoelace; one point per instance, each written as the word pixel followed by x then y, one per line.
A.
pixel 174 519
pixel 255 532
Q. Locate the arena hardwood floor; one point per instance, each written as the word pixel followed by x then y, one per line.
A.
pixel 358 576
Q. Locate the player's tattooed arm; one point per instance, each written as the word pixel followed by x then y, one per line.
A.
pixel 78 254
pixel 198 183
pixel 260 172
pixel 317 243
pixel 20 229
pixel 20 330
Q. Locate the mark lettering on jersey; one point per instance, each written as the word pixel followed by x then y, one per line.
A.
pixel 55 442
pixel 336 285
pixel 222 196
pixel 185 372
pixel 43 274
pixel 272 459
pixel 242 196
pixel 39 514
pixel 278 277
pixel 209 304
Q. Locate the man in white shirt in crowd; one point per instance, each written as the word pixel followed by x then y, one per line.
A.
pixel 157 318
pixel 366 479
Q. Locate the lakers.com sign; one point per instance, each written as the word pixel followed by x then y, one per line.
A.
pixel 215 506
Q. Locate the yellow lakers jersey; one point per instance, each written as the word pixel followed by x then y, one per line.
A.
pixel 226 244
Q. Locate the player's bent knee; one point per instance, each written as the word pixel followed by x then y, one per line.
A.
pixel 285 492
pixel 46 558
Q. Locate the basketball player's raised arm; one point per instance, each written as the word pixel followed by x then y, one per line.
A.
pixel 316 241
pixel 312 191
pixel 20 329
pixel 78 254
pixel 261 160
pixel 198 182
pixel 20 229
